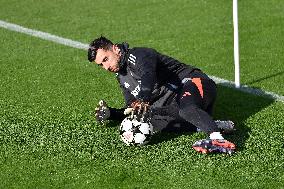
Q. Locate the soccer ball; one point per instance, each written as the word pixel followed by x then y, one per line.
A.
pixel 133 132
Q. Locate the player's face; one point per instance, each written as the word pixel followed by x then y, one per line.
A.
pixel 108 59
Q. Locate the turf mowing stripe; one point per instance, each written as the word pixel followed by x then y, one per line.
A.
pixel 79 45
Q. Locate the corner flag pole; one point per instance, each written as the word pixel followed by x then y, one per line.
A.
pixel 236 44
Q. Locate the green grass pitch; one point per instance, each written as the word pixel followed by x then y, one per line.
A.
pixel 49 137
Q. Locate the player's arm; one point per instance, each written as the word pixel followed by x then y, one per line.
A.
pixel 147 68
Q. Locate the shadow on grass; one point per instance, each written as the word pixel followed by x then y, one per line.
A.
pixel 231 104
pixel 266 77
pixel 239 106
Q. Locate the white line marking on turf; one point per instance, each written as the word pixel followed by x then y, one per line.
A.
pixel 79 45
pixel 248 89
pixel 43 35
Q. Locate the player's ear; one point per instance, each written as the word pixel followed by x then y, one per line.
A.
pixel 115 49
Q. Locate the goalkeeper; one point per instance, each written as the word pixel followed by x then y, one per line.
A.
pixel 175 93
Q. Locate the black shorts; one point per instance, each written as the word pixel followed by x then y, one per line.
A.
pixel 200 91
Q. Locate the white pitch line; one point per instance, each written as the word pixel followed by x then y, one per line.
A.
pixel 43 35
pixel 247 89
pixel 79 45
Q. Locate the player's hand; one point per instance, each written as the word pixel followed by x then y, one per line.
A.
pixel 102 112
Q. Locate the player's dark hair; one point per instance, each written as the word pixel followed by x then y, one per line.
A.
pixel 99 43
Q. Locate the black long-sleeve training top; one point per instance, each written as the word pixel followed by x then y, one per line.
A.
pixel 147 75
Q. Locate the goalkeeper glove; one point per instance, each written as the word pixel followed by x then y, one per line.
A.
pixel 140 107
pixel 102 111
pixel 139 110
